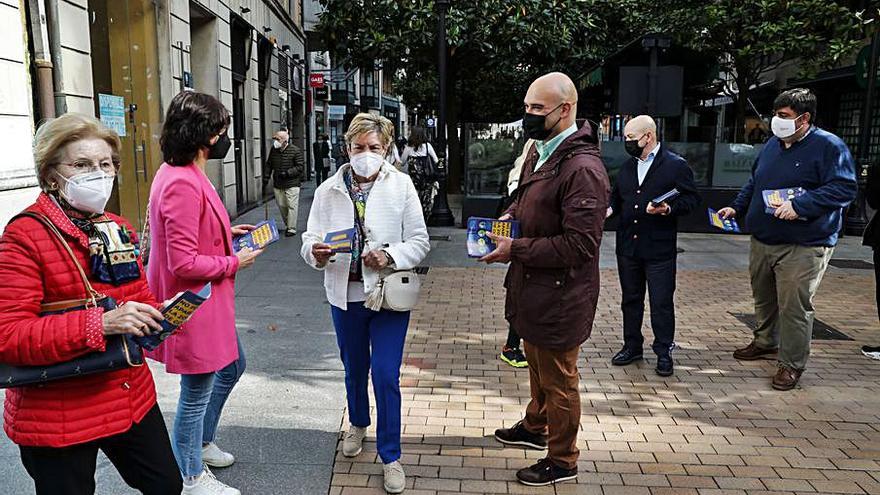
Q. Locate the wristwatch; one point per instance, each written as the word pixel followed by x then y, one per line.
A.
pixel 390 263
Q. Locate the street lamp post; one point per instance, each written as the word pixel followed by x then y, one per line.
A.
pixel 441 215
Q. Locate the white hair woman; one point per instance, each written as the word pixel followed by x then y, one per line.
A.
pixel 380 203
pixel 60 425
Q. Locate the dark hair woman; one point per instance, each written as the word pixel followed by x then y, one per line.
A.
pixel 60 425
pixel 191 245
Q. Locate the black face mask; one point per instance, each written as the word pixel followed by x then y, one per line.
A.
pixel 534 125
pixel 632 147
pixel 220 148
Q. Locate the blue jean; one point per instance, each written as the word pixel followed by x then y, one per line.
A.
pixel 202 398
pixel 371 342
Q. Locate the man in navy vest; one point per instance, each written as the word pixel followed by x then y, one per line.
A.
pixel 646 238
pixel 793 236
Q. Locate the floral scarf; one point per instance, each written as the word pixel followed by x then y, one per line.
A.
pixel 359 199
pixel 113 250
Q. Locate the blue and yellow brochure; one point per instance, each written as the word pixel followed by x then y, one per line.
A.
pixel 773 198
pixel 264 234
pixel 340 241
pixel 725 224
pixel 478 243
pixel 176 313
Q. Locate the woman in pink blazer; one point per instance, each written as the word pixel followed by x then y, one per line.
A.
pixel 191 245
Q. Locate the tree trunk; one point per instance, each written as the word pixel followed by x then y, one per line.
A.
pixel 455 164
pixel 739 131
pixel 454 159
pixel 743 86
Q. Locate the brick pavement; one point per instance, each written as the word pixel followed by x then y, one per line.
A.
pixel 715 428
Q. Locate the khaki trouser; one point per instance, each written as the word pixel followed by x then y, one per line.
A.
pixel 555 408
pixel 288 204
pixel 784 280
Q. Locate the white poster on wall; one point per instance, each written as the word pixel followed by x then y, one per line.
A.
pixel 112 112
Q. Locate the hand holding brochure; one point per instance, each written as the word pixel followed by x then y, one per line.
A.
pixel 773 198
pixel 478 243
pixel 725 224
pixel 264 234
pixel 340 241
pixel 665 198
pixel 177 312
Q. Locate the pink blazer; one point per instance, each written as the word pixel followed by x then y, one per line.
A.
pixel 190 245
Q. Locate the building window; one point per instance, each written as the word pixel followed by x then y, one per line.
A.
pixel 283 73
pixel 370 88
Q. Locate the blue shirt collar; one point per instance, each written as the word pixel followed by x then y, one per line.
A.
pixel 545 149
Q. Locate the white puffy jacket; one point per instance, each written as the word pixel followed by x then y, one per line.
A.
pixel 393 222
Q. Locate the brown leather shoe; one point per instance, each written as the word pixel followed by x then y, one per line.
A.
pixel 752 352
pixel 786 378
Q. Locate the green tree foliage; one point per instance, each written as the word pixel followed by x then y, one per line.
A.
pixel 753 38
pixel 496 48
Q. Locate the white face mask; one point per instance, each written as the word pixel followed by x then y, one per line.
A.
pixel 366 164
pixel 784 128
pixel 277 144
pixel 88 192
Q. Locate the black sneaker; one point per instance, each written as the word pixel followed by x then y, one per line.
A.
pixel 518 435
pixel 545 472
pixel 514 357
pixel 872 351
pixel 664 365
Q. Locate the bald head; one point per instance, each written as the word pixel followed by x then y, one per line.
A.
pixel 555 94
pixel 282 136
pixel 642 130
pixel 640 125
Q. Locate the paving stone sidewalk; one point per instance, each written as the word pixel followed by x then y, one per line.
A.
pixel 716 427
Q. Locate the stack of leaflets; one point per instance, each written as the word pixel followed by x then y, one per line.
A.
pixel 478 243
pixel 773 198
pixel 665 198
pixel 176 313
pixel 264 234
pixel 725 224
pixel 340 241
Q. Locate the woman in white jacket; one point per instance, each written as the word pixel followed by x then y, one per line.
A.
pixel 381 204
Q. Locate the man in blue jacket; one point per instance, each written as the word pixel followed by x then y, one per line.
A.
pixel 793 239
pixel 647 238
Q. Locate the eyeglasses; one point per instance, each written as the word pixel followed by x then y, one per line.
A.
pixel 82 166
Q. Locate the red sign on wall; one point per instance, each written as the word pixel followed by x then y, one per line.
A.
pixel 316 80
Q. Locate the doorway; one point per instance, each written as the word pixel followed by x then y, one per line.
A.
pixel 126 93
pixel 242 43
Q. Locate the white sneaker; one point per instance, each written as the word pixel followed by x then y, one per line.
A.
pixel 395 480
pixel 352 443
pixel 214 457
pixel 207 484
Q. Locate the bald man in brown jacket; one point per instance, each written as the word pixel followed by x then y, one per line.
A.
pixel 553 280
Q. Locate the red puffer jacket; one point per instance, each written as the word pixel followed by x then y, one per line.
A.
pixel 35 268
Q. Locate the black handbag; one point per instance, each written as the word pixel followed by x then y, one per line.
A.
pixel 121 350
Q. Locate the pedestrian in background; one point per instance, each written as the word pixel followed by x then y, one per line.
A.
pixel 553 279
pixel 381 204
pixel 872 238
pixel 791 246
pixel 647 235
pixel 59 426
pixel 512 353
pixel 191 245
pixel 418 157
pixel 321 150
pixel 287 165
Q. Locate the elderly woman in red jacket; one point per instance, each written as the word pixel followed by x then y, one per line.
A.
pixel 60 425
